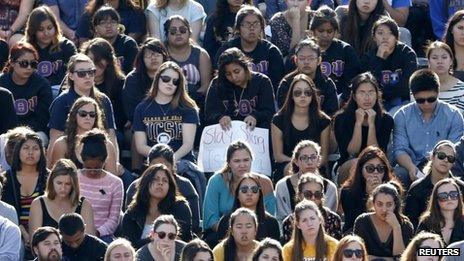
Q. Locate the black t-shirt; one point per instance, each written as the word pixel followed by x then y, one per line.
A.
pixel 116 99
pixel 125 49
pixel 344 128
pixel 294 135
pixel 91 249
pixel 8 118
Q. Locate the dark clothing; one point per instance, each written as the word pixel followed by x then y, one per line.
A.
pixel 53 63
pixel 326 91
pixel 125 49
pixel 341 64
pixel 418 197
pixel 458 167
pixel 392 73
pixel 456 235
pixel 135 89
pixel 31 100
pixel 364 227
pixel 144 254
pixel 3 53
pixel 266 58
pixel 257 100
pixel 214 39
pixel 8 117
pixel 191 69
pixel 353 204
pixel 115 95
pixel 133 223
pixel 47 220
pixel 91 249
pixel 186 189
pixel 344 129
pixel 291 136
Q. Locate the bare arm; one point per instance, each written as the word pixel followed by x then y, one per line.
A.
pixel 196 29
pixel 355 143
pixel 111 160
pixel 325 142
pixel 205 71
pixel 35 216
pixel 87 215
pixel 153 25
pixel 400 15
pixel 24 10
pixel 54 135
pixel 141 143
pixel 114 140
pixel 188 137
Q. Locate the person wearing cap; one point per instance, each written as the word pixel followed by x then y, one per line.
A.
pixel 437 168
pixel 420 124
pixel 162 153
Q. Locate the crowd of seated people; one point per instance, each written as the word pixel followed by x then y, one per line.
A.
pixel 103 105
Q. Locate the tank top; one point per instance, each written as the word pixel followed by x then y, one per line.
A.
pixel 47 220
pixel 25 203
pixel 191 69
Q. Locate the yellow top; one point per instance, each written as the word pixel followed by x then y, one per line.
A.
pixel 218 251
pixel 310 250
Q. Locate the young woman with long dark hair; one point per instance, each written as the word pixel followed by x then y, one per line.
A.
pixel 453 38
pixel 423 240
pixel 196 250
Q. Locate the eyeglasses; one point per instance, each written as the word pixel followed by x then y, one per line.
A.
pixel 174 30
pixel 249 25
pixel 379 168
pixel 162 235
pixel 443 196
pixel 167 79
pixel 84 114
pixel 298 93
pixel 244 189
pixel 441 156
pixel 348 253
pixel 307 58
pixel 429 100
pixel 309 194
pixel 151 54
pixel 108 22
pixel 24 64
pixel 308 158
pixel 83 74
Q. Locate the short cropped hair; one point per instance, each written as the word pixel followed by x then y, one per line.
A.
pixel 424 80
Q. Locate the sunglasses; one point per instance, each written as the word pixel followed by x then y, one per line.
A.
pixel 25 64
pixel 162 235
pixel 429 100
pixel 167 79
pixel 298 93
pixel 379 168
pixel 174 30
pixel 348 253
pixel 84 114
pixel 442 156
pixel 443 196
pixel 309 194
pixel 245 189
pixel 305 158
pixel 83 74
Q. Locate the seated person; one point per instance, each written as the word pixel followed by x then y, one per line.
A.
pixel 386 231
pixel 423 240
pixel 46 244
pixel 419 125
pixel 119 248
pixel 78 245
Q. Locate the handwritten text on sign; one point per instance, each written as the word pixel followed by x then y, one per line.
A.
pixel 214 143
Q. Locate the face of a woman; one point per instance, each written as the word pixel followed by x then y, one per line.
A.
pixel 235 3
pixel 235 74
pixel 250 29
pixel 308 160
pixel 442 166
pixel 307 60
pixel 369 172
pixel 162 236
pixel 85 83
pixel 324 34
pixel 440 61
pixel 302 94
pixel 100 67
pixel 312 191
pixel 178 33
pixel 352 248
pixel 450 202
pixel 160 185
pixel 29 153
pixel 458 33
pixel 366 7
pixel 152 59
pixel 383 204
pixel 240 162
pixel 22 66
pixel 246 194
pixel 309 222
pixel 269 254
pixel 62 185
pixel 365 96
pixel 203 256
pixel 301 4
pixel 45 33
pixel 428 243
pixel 244 230
pixel 169 87
pixel 121 253
pixel 84 118
pixel 384 36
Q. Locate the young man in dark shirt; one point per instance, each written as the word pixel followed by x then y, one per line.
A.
pixel 77 245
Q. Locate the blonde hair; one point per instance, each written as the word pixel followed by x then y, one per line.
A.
pixel 119 242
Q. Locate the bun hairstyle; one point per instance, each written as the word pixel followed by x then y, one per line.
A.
pixel 94 145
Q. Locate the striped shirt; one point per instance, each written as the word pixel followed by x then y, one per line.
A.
pixel 25 203
pixel 454 96
pixel 105 195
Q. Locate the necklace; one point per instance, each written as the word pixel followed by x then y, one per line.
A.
pixel 236 104
pixel 161 108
